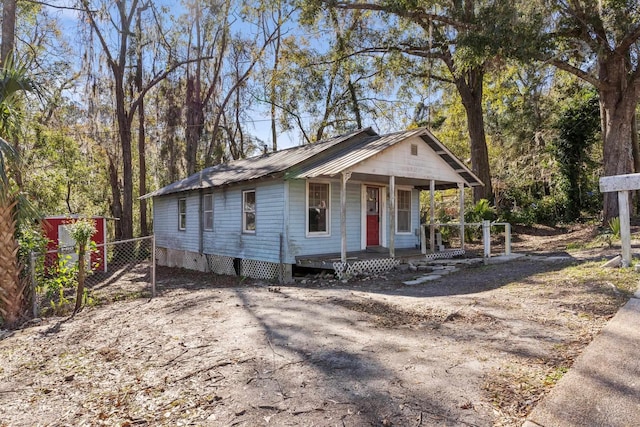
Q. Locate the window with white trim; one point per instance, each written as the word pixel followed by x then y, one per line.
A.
pixel 403 211
pixel 318 213
pixel 182 214
pixel 207 212
pixel 249 211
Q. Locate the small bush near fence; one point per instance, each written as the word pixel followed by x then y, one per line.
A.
pixel 119 270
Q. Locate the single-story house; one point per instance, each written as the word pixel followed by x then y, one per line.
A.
pixel 262 215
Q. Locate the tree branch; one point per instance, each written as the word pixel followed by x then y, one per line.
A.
pixel 416 15
pixel 589 78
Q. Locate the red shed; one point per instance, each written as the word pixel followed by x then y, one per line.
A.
pixel 55 228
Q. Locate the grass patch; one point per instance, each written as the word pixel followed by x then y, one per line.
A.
pixel 622 280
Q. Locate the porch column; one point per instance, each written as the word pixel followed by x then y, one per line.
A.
pixel 461 187
pixel 343 216
pixel 392 216
pixel 432 216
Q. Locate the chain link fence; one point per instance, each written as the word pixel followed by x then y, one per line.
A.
pixel 116 270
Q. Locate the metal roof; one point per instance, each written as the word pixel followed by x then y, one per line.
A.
pixel 254 167
pixel 325 158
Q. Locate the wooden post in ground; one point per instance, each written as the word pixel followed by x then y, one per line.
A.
pixel 623 185
pixel 625 227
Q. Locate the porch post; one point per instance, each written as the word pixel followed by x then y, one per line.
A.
pixel 432 216
pixel 392 216
pixel 461 187
pixel 343 216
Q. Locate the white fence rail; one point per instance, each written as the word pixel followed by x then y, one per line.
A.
pixel 435 241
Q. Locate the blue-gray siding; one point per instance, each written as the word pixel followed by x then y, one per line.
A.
pixel 227 238
pixel 299 244
pixel 165 222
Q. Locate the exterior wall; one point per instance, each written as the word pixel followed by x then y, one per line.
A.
pixel 51 227
pixel 227 238
pixel 410 240
pixel 300 244
pixel 165 222
pixel 399 161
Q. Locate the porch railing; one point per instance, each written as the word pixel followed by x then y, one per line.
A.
pixel 486 227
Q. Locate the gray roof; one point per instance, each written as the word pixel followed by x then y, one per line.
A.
pixel 325 158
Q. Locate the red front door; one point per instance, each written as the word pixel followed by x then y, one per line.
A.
pixel 373 216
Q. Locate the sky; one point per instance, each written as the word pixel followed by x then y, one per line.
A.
pixel 259 126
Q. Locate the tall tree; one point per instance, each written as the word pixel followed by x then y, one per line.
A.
pixel 13 81
pixel 465 36
pixel 110 22
pixel 8 30
pixel 598 41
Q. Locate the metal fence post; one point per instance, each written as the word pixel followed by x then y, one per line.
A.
pixel 153 266
pixel 507 239
pixel 32 271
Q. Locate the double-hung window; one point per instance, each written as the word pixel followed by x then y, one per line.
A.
pixel 403 211
pixel 318 198
pixel 249 211
pixel 207 212
pixel 182 214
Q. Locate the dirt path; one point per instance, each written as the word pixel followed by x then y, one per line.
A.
pixel 478 347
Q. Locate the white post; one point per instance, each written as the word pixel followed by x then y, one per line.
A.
pixel 461 187
pixel 625 230
pixel 392 216
pixel 423 239
pixel 343 216
pixel 486 238
pixel 507 239
pixel 153 266
pixel 432 217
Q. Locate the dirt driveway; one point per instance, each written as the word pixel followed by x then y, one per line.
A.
pixel 478 347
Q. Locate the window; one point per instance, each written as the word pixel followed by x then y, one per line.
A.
pixel 318 208
pixel 414 150
pixel 207 212
pixel 182 214
pixel 403 211
pixel 249 211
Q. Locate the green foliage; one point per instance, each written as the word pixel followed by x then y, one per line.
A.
pixel 31 239
pixel 481 211
pixel 61 280
pixel 81 231
pixel 578 129
pixel 614 226
pixel 62 177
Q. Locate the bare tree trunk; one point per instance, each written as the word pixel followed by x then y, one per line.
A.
pixel 273 93
pixel 11 292
pixel 81 276
pixel 470 88
pixel 355 105
pixel 124 130
pixel 116 204
pixel 8 30
pixel 195 121
pixel 142 160
pixel 618 105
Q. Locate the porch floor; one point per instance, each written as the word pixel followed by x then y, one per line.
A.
pixel 325 261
